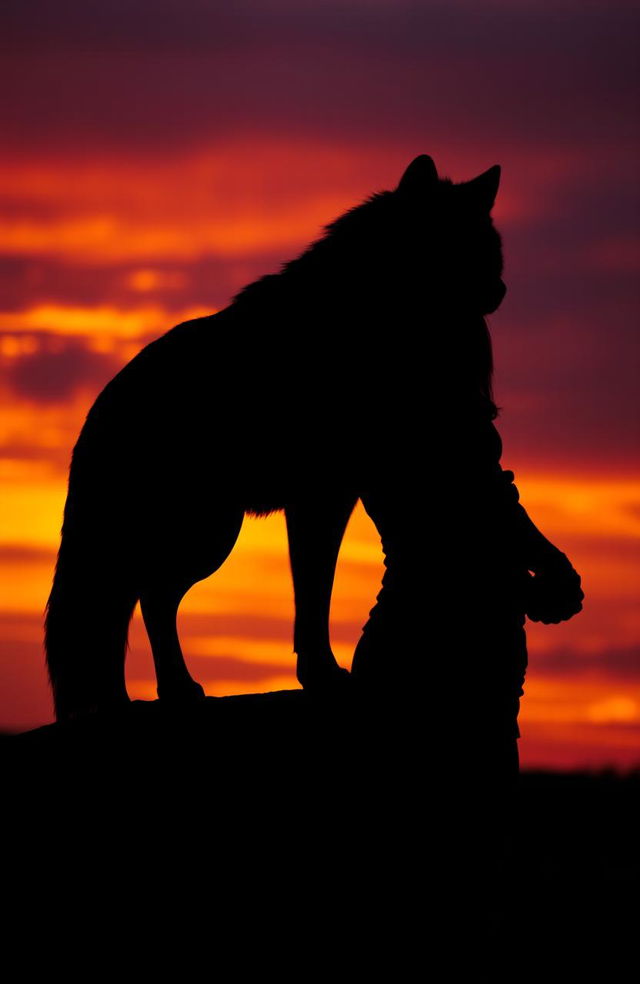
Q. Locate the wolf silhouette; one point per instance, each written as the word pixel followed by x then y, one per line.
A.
pixel 284 400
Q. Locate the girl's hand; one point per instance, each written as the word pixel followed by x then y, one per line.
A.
pixel 554 591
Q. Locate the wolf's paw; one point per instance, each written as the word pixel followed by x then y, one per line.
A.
pixel 335 680
pixel 188 692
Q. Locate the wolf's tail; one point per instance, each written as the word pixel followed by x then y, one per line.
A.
pixel 92 599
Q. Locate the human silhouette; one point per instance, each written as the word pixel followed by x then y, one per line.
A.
pixel 361 371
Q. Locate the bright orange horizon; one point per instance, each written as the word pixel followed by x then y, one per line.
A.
pixel 116 227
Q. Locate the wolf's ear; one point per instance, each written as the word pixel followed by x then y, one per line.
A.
pixel 484 188
pixel 420 176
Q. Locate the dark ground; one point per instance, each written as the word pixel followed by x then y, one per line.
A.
pixel 250 828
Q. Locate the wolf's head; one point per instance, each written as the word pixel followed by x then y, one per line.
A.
pixel 429 245
pixel 448 242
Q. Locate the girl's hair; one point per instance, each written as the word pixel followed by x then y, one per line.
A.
pixel 477 368
pixel 485 371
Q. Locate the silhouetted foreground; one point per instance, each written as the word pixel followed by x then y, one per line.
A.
pixel 315 822
pixel 366 376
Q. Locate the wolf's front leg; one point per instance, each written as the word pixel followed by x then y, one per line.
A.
pixel 175 683
pixel 315 528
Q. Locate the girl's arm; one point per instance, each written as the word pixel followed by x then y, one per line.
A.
pixel 555 592
pixel 532 546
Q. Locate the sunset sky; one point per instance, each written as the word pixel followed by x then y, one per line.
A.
pixel 158 156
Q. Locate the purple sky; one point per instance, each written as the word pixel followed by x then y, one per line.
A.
pixel 548 90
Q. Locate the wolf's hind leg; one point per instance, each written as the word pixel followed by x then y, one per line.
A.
pixel 190 559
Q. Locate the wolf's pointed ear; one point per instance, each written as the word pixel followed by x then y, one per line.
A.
pixel 484 188
pixel 420 176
